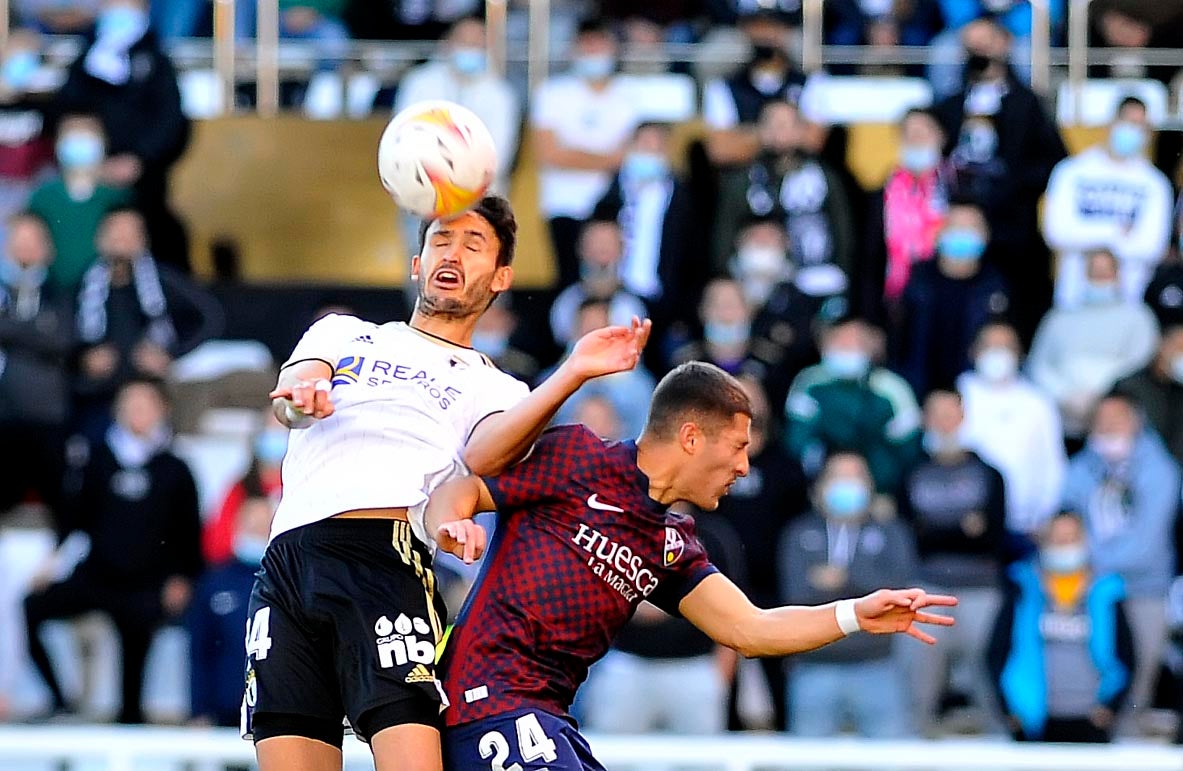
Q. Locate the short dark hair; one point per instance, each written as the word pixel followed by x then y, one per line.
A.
pixel 922 112
pixel 159 385
pixel 1131 101
pixel 594 25
pixel 698 392
pixel 499 214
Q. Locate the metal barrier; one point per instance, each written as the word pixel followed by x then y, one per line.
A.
pixel 127 748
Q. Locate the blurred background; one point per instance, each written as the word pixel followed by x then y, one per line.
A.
pixel 938 240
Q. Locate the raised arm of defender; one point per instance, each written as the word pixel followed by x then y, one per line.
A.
pixel 724 613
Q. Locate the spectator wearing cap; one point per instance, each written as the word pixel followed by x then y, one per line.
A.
pixel 1127 486
pixel 1003 147
pixel 848 404
pixel 731 106
pixel 664 260
pixel 1015 427
pixel 1079 353
pixel 1109 197
pixel 788 180
pixel 946 302
pixel 581 122
pixel 905 217
pixel 1157 389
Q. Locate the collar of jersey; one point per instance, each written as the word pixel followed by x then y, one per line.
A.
pixel 639 478
pixel 438 339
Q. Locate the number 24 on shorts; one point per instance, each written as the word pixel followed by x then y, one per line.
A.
pixel 533 744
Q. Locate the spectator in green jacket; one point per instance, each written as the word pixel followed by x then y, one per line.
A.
pixel 848 404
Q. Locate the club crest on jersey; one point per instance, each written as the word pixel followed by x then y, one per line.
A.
pixel 673 546
pixel 348 370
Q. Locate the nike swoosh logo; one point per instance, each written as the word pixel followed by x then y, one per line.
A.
pixel 594 502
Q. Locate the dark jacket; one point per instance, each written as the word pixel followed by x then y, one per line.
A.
pixel 1164 295
pixel 939 319
pixel 34 363
pixel 783 337
pixel 215 620
pixel 1162 400
pixel 1016 654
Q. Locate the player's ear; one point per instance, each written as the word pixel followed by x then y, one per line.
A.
pixel 502 278
pixel 691 438
pixel 415 267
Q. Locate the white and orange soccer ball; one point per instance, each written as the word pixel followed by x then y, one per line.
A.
pixel 436 159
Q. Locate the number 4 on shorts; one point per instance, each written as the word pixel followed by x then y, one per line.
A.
pixel 258 634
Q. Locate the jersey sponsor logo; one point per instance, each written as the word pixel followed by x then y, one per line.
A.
pixel 615 563
pixel 420 674
pixel 674 545
pixel 354 370
pixel 594 501
pixel 403 640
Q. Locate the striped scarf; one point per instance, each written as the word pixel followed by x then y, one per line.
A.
pixel 96 288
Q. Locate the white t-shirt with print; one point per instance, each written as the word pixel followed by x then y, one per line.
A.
pixel 405 404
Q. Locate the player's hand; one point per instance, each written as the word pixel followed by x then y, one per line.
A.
pixel 888 611
pixel 307 397
pixel 609 350
pixel 462 538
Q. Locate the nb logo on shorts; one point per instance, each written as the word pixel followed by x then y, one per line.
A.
pixel 420 674
pixel 398 646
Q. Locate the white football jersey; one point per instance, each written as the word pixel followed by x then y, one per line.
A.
pixel 405 404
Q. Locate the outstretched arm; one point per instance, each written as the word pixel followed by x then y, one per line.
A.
pixel 449 514
pixel 724 613
pixel 504 438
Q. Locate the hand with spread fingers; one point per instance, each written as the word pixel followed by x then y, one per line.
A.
pixel 889 611
pixel 609 350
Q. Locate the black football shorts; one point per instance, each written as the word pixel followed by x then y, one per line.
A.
pixel 343 624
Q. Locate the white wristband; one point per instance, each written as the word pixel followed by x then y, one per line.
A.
pixel 847 618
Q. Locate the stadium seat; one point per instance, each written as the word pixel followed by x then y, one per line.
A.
pixel 668 97
pixel 201 94
pixel 325 98
pixel 845 99
pixel 1099 99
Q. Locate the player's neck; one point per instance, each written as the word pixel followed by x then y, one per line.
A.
pixel 454 330
pixel 660 467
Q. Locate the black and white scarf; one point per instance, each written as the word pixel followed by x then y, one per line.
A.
pixel 20 294
pixel 96 288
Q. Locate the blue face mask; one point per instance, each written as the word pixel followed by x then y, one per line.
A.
pixel 492 345
pixel 726 335
pixel 594 67
pixel 1100 294
pixel 940 443
pixel 18 70
pixel 919 159
pixel 468 61
pixel 122 21
pixel 79 150
pixel 249 549
pixel 14 275
pixel 961 245
pixel 1127 139
pixel 1069 558
pixel 644 166
pixel 846 498
pixel 848 365
pixel 271 445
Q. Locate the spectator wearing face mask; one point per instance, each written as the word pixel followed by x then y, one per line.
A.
pixel 946 302
pixel 1079 353
pixel 1127 487
pixel 261 480
pixel 1158 390
pixel 1003 146
pixel 731 106
pixel 601 250
pixel 218 614
pixel 581 122
pixel 494 336
pixel 75 203
pixel 663 261
pixel 847 404
pixel 956 505
pixel 26 153
pixel 36 337
pixel 1014 427
pixel 726 321
pixel 840 551
pixel 1110 197
pixel 787 180
pixel 134 316
pixel 904 217
pixel 136 503
pixel 1061 654
pixel 881 23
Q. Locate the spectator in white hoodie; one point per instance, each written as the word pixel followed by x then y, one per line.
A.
pixel 1109 197
pixel 1014 427
pixel 1079 353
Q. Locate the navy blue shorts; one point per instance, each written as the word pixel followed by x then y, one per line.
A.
pixel 528 739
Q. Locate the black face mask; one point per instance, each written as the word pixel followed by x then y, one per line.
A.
pixel 976 64
pixel 762 52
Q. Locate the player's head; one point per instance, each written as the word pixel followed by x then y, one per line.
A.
pixel 702 417
pixel 464 261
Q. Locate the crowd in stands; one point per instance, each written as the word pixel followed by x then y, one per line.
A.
pixel 970 379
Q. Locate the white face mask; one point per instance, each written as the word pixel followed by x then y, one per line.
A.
pixel 997 364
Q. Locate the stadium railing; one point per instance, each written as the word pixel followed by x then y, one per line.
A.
pixel 131 748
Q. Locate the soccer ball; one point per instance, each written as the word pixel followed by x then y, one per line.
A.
pixel 436 159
